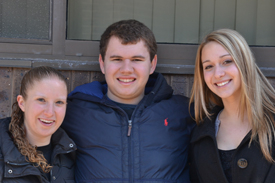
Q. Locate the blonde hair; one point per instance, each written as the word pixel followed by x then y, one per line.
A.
pixel 17 127
pixel 257 94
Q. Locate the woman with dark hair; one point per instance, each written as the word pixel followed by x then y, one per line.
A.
pixel 32 146
pixel 234 111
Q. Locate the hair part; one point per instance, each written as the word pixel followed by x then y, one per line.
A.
pixel 257 94
pixel 129 32
pixel 17 127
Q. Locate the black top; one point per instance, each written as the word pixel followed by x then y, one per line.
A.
pixel 47 153
pixel 128 108
pixel 226 160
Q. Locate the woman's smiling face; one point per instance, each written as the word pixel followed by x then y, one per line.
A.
pixel 44 109
pixel 220 72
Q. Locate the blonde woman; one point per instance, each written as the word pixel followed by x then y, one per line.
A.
pixel 234 111
pixel 32 146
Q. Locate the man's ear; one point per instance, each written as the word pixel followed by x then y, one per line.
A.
pixel 153 64
pixel 101 63
pixel 21 102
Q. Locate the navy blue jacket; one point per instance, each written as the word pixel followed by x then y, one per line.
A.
pixel 157 148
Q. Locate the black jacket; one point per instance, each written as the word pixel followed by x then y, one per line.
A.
pixel 157 148
pixel 248 163
pixel 14 168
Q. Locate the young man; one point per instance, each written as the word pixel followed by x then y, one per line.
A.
pixel 131 129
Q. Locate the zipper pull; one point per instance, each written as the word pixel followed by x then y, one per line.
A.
pixel 129 128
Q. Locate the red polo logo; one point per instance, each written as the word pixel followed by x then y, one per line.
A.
pixel 166 122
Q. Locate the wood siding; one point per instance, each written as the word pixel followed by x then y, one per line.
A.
pixel 10 79
pixel 176 21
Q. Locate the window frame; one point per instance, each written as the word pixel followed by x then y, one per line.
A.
pixel 83 55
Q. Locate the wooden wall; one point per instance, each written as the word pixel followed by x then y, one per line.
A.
pixel 10 79
pixel 175 21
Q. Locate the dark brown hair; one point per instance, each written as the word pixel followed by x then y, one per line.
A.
pixel 129 32
pixel 17 128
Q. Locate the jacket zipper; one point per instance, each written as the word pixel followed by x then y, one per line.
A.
pixel 129 127
pixel 129 141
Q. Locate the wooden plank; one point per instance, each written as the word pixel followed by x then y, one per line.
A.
pixel 224 14
pixel 69 65
pixel 25 48
pixel 80 19
pixel 5 91
pixel 143 12
pixel 177 54
pixel 245 19
pixel 265 30
pixel 68 76
pixel 17 77
pixel 207 15
pixel 97 76
pixel 1 16
pixel 15 63
pixel 82 48
pixel 123 9
pixel 181 85
pixel 79 78
pixel 265 56
pixel 103 16
pixel 168 78
pixel 187 21
pixel 59 27
pixel 163 20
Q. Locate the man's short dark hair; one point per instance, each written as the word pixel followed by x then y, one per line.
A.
pixel 129 32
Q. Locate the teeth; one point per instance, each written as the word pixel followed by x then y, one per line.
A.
pixel 126 80
pixel 223 83
pixel 46 121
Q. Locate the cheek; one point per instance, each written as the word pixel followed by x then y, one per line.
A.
pixel 33 109
pixel 207 80
pixel 110 69
pixel 61 112
pixel 207 77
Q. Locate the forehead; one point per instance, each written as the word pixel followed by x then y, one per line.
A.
pixel 47 81
pixel 212 49
pixel 115 46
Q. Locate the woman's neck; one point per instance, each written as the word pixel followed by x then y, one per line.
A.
pixel 234 126
pixel 233 111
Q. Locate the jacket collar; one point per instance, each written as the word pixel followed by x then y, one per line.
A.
pixel 156 89
pixel 207 127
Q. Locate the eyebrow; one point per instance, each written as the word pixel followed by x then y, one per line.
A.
pixel 136 56
pixel 219 57
pixel 115 56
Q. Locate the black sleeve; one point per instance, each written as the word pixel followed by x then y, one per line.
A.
pixel 192 165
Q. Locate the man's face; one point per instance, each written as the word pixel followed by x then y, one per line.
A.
pixel 127 69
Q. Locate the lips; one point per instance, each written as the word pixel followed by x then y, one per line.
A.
pixel 223 83
pixel 47 121
pixel 126 80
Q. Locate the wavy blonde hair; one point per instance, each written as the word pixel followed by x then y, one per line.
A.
pixel 257 94
pixel 17 127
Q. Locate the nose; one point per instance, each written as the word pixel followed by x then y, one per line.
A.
pixel 49 110
pixel 126 66
pixel 219 72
